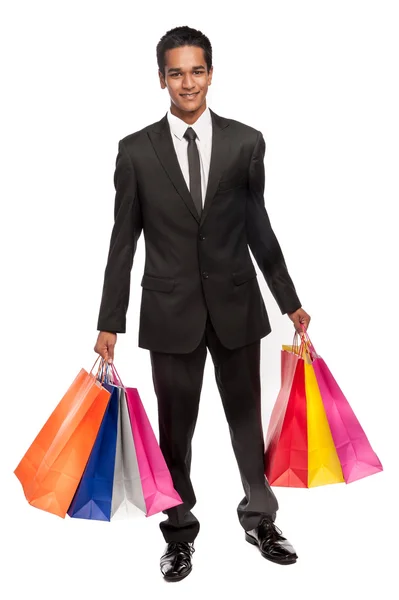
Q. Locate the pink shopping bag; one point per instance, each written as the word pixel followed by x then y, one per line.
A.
pixel 354 450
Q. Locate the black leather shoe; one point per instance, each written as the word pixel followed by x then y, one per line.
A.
pixel 176 560
pixel 271 543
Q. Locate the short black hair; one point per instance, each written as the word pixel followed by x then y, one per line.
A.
pixel 183 36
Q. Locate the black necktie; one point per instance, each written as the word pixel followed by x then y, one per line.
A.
pixel 194 168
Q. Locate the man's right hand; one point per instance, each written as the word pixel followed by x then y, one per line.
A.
pixel 105 345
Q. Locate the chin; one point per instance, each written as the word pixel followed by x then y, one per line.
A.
pixel 197 106
pixel 193 108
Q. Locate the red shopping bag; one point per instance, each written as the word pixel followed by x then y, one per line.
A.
pixel 286 447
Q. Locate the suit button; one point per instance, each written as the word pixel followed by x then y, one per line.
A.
pixel 201 237
pixel 205 274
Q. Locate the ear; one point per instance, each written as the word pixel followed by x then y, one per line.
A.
pixel 161 80
pixel 210 75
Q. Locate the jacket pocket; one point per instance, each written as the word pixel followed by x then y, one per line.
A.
pixel 244 275
pixel 159 284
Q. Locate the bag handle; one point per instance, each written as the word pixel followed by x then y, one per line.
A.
pixel 116 375
pixel 111 374
pixel 97 359
pixel 105 372
pixel 100 369
pixel 306 346
pixel 298 348
pixel 306 341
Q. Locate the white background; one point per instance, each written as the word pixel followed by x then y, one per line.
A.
pixel 320 80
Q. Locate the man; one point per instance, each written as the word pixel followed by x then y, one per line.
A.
pixel 193 182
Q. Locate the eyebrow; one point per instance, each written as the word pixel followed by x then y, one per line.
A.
pixel 178 69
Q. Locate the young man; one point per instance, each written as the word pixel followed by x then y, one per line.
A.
pixel 193 182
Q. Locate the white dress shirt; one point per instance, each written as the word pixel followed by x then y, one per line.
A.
pixel 203 129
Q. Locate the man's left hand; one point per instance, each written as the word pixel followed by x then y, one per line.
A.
pixel 299 317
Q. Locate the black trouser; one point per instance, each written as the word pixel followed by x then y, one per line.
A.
pixel 178 382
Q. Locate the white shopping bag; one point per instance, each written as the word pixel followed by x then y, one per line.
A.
pixel 127 491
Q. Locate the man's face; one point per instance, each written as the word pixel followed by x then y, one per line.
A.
pixel 186 73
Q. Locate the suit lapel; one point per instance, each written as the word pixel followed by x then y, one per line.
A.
pixel 220 156
pixel 162 142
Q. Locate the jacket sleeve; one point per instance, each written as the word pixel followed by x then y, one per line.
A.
pixel 124 237
pixel 261 238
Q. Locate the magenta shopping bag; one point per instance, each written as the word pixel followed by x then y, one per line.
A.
pixel 354 450
pixel 156 480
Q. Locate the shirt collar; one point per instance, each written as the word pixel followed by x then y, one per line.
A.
pixel 178 127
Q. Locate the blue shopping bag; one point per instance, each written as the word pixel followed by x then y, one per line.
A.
pixel 93 497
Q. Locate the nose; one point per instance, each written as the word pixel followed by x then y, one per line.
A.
pixel 188 83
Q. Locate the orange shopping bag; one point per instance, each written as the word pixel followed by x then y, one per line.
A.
pixel 53 465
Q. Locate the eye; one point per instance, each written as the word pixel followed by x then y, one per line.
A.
pixel 176 74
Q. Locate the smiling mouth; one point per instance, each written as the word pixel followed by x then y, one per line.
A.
pixel 189 95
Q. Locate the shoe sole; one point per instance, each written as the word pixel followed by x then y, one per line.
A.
pixel 252 540
pixel 178 577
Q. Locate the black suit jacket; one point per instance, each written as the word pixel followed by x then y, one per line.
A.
pixel 193 264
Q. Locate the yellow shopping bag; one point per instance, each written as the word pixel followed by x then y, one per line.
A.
pixel 324 466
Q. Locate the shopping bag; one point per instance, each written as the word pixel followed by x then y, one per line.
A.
pixel 93 496
pixel 127 491
pixel 52 466
pixel 324 466
pixel 286 446
pixel 354 450
pixel 323 463
pixel 156 480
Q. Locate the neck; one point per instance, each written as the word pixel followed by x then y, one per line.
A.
pixel 188 117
